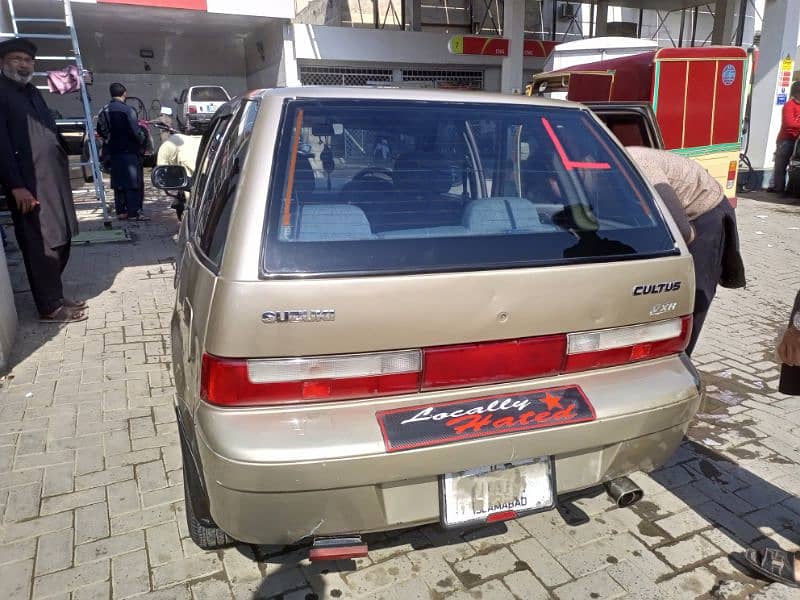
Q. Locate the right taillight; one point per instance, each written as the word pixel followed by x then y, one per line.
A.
pixel 276 381
pixel 622 345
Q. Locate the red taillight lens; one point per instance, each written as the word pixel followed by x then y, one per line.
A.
pixel 732 167
pixel 492 362
pixel 231 382
pixel 263 382
pixel 612 347
pixel 193 109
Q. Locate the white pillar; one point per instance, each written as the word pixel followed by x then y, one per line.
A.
pixel 291 74
pixel 724 21
pixel 514 30
pixel 5 20
pixel 779 38
pixel 601 30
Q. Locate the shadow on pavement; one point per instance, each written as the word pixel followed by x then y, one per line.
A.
pixel 741 506
pixel 770 198
pixel 93 268
pixel 288 568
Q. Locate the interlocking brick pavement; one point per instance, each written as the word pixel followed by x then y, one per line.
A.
pixel 91 493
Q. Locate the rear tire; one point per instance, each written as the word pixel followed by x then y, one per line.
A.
pixel 205 534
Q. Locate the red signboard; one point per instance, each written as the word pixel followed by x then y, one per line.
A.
pixel 538 49
pixel 491 46
pixel 185 4
pixel 485 46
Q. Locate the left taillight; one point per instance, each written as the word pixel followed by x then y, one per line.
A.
pixel 238 382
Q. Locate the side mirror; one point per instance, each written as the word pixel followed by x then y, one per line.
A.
pixel 171 178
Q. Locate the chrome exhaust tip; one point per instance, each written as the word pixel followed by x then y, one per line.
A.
pixel 623 491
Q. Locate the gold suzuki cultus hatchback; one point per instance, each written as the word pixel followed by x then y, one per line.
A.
pixel 398 307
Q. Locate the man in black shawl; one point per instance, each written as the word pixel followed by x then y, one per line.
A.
pixel 34 174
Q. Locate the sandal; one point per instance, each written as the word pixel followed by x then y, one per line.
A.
pixel 75 304
pixel 774 564
pixel 64 315
pixel 140 218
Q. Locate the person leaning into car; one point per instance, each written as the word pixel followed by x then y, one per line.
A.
pixel 775 564
pixel 706 220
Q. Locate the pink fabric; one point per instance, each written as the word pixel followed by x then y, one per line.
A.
pixel 64 80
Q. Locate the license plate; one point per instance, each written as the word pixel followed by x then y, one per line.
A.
pixel 497 492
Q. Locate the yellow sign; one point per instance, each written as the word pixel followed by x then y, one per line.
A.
pixel 787 64
pixel 456 44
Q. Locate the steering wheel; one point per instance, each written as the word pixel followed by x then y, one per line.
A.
pixel 372 173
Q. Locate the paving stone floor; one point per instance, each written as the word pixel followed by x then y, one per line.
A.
pixel 91 492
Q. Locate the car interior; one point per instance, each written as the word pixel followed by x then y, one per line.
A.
pixel 440 179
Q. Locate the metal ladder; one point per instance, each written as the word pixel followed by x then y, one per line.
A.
pixel 75 57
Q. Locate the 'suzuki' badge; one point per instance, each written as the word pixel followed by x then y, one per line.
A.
pixel 433 424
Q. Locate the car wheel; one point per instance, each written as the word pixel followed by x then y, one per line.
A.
pixel 207 537
pixel 205 534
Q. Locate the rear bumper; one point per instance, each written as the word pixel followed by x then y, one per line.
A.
pixel 276 476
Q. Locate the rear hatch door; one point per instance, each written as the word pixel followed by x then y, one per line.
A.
pixel 481 222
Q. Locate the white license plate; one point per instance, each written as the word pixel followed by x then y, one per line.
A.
pixel 476 495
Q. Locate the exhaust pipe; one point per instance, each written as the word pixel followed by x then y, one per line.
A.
pixel 623 491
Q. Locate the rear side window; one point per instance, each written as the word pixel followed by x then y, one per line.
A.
pixel 387 186
pixel 223 181
pixel 209 94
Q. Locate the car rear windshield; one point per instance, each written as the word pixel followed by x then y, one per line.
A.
pixel 404 187
pixel 209 94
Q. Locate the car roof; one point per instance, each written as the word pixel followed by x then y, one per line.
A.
pixel 393 93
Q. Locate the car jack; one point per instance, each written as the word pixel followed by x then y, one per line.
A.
pixel 337 548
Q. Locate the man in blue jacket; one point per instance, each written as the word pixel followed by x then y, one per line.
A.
pixel 124 141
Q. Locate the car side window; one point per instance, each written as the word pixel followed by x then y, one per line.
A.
pixel 223 182
pixel 209 150
pixel 629 129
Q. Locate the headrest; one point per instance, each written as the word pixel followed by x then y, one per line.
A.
pixel 498 215
pixel 332 222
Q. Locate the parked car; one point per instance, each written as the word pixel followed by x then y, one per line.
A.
pixel 197 104
pixel 496 319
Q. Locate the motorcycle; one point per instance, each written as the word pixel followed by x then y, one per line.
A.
pixel 179 203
